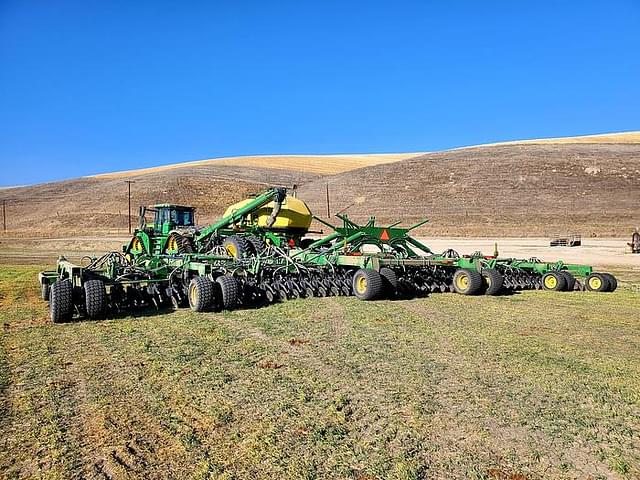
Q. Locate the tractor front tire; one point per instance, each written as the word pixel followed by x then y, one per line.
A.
pixel 554 281
pixel 367 284
pixel 200 294
pixel 230 291
pixel 61 301
pixel 178 244
pixel 95 298
pixel 492 281
pixel 467 282
pixel 597 282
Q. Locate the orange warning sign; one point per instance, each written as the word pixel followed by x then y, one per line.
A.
pixel 384 235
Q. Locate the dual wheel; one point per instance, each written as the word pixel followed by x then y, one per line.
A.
pixel 61 305
pixel 205 295
pixel 240 246
pixel 471 282
pixel 564 281
pixel 369 284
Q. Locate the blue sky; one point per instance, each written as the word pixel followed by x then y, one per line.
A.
pixel 89 87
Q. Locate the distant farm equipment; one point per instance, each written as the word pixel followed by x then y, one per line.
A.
pixel 566 240
pixel 259 253
pixel 635 242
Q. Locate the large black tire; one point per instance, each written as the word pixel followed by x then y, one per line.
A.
pixel 554 281
pixel 613 282
pixel 257 243
pixel 179 244
pixel 597 282
pixel 467 282
pixel 61 301
pixel 95 298
pixel 238 247
pixel 45 291
pixel 492 281
pixel 200 294
pixel 389 282
pixel 230 291
pixel 570 280
pixel 367 284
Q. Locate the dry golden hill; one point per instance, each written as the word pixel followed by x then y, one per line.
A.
pixel 99 204
pixel 585 184
pixel 516 189
pixel 314 164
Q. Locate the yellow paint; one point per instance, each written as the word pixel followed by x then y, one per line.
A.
pixel 550 281
pixel 294 213
pixel 595 283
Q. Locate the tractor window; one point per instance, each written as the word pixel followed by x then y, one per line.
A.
pixel 182 217
pixel 164 216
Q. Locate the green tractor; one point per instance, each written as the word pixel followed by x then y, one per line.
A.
pixel 245 229
pixel 168 233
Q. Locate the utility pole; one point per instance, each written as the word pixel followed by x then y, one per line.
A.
pixel 328 207
pixel 4 216
pixel 129 182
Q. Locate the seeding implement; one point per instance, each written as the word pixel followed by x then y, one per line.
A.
pixel 257 254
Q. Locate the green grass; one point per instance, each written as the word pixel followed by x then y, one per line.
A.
pixel 534 385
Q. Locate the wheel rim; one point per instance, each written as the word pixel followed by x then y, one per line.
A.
pixel 462 282
pixel 595 283
pixel 488 280
pixel 172 245
pixel 232 250
pixel 550 281
pixel 193 294
pixel 136 245
pixel 361 284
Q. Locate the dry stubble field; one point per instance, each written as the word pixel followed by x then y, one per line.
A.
pixel 527 386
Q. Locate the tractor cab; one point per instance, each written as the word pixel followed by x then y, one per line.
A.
pixel 166 217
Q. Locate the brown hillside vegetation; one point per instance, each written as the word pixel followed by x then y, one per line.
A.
pixel 514 189
pixel 99 205
pixel 521 190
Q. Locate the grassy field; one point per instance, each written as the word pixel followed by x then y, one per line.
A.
pixel 528 386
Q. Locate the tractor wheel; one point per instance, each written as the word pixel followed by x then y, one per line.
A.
pixel 45 291
pixel 492 281
pixel 237 246
pixel 230 291
pixel 613 282
pixel 570 279
pixel 258 244
pixel 178 244
pixel 597 282
pixel 389 281
pixel 367 284
pixel 200 294
pixel 554 281
pixel 61 301
pixel 136 246
pixel 467 282
pixel 95 297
